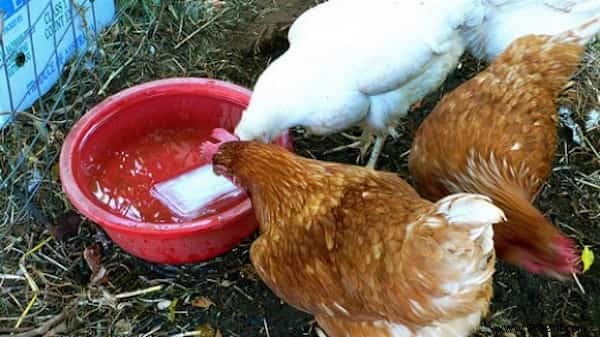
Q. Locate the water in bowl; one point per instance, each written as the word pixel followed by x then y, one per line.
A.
pixel 123 182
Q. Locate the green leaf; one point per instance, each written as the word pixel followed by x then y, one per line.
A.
pixel 587 257
pixel 171 315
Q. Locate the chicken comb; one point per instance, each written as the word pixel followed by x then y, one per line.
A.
pixel 208 148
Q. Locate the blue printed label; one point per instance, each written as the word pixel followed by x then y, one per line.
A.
pixel 38 41
pixel 11 6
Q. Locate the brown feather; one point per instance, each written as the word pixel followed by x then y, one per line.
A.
pixel 348 243
pixel 496 134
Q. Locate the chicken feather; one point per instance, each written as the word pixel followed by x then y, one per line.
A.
pixel 360 250
pixel 496 134
pixel 355 64
pixel 506 20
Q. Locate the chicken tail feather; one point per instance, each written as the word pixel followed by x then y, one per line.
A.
pixel 473 210
pixel 456 243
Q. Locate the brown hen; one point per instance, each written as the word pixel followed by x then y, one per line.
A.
pixel 496 134
pixel 360 250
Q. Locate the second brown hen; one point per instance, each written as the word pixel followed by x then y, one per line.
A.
pixel 496 134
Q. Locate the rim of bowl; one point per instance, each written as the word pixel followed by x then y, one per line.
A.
pixel 215 88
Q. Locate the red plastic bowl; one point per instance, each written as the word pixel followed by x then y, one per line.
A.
pixel 135 112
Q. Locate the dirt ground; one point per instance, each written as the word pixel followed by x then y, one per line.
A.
pixel 224 297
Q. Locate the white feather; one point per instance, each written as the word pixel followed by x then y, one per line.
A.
pixel 507 20
pixel 354 62
pixel 459 327
pixel 473 210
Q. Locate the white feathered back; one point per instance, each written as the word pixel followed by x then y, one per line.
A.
pixel 357 62
pixel 506 20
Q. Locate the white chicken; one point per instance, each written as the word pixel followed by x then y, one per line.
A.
pixel 358 63
pixel 506 20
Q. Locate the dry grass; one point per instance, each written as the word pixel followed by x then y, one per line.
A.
pixel 49 280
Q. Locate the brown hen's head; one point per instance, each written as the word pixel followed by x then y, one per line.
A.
pixel 533 243
pixel 225 159
pixel 250 164
pixel 557 260
pixel 208 149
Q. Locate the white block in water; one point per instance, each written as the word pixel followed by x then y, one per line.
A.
pixel 189 194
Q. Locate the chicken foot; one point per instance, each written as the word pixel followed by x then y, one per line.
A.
pixel 378 146
pixel 363 143
pixel 376 151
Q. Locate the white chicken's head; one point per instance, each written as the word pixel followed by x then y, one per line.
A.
pixel 259 127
